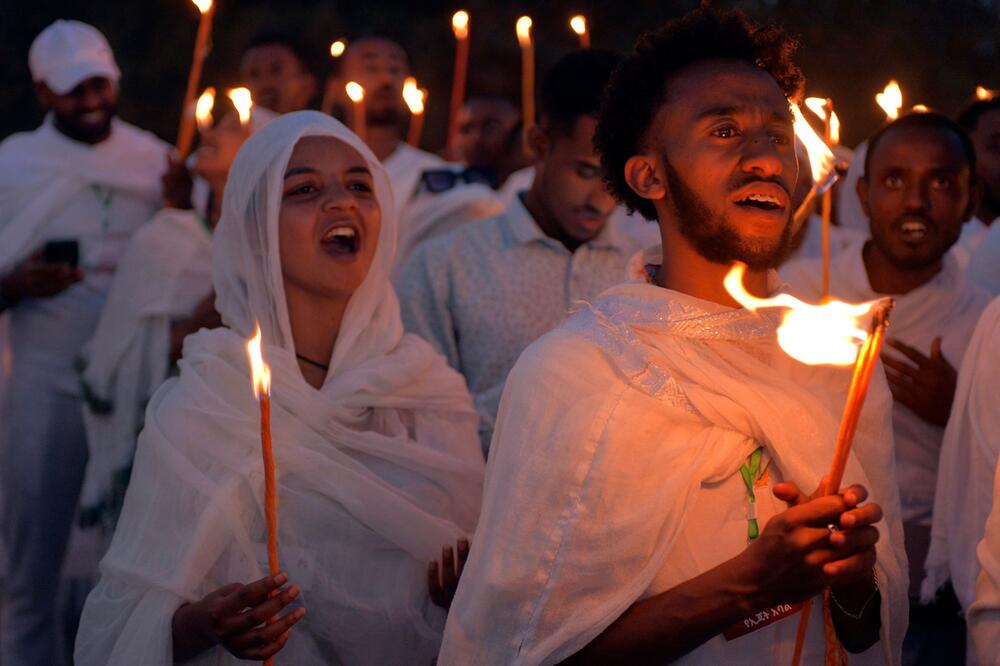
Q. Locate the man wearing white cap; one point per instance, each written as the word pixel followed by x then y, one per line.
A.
pixel 71 194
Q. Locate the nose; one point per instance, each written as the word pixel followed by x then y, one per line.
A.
pixel 339 199
pixel 90 99
pixel 915 196
pixel 761 156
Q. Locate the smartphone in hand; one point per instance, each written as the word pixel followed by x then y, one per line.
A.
pixel 64 251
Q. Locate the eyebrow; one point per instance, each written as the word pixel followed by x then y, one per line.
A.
pixel 731 110
pixel 308 169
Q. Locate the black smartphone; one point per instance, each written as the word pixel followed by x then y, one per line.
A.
pixel 62 252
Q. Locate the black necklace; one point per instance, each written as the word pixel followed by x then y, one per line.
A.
pixel 311 362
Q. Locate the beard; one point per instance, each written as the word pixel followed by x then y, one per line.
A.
pixel 73 126
pixel 714 237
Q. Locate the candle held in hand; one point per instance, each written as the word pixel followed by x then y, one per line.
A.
pixel 260 375
pixel 185 134
pixel 356 93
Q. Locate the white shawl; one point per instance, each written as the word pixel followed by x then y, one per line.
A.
pixel 608 427
pixel 41 170
pixel 968 460
pixel 165 272
pixel 377 470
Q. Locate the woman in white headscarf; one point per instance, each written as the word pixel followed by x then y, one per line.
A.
pixel 374 437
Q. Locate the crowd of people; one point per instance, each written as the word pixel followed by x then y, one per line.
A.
pixel 517 415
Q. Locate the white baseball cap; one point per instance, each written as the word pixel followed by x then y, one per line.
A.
pixel 68 52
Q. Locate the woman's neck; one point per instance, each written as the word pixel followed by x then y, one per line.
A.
pixel 315 321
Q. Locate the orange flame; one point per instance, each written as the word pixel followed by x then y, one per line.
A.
pixel 821 159
pixel 413 96
pixel 817 105
pixel 203 5
pixel 921 108
pixel 523 28
pixel 985 94
pixel 338 47
pixel 579 24
pixel 827 334
pixel 203 109
pixel 355 91
pixel 460 24
pixel 243 102
pixel 834 128
pixel 890 99
pixel 260 372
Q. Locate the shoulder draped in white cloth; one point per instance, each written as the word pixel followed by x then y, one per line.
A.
pixel 41 170
pixel 968 460
pixel 377 470
pixel 614 432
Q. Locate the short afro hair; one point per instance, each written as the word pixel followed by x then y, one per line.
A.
pixel 278 38
pixel 573 87
pixel 969 117
pixel 924 120
pixel 638 86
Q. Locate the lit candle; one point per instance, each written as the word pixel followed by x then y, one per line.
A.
pixel 921 108
pixel 821 161
pixel 203 109
pixel 825 334
pixel 337 48
pixel 243 103
pixel 460 26
pixel 579 25
pixel 185 134
pixel 890 99
pixel 260 375
pixel 984 94
pixel 414 98
pixel 356 93
pixel 527 74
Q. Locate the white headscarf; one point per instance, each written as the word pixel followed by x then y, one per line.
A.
pixel 377 470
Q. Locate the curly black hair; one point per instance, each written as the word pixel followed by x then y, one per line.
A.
pixel 637 87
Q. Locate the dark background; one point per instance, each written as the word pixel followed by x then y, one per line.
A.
pixel 939 51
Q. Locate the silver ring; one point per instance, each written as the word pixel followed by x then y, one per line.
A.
pixel 833 528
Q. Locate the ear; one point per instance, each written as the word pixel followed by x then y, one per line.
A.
pixel 861 187
pixel 643 175
pixel 539 142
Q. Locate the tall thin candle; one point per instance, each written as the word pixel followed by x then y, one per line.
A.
pixel 460 26
pixel 185 134
pixel 523 28
pixel 356 93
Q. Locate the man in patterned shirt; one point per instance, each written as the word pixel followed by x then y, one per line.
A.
pixel 487 290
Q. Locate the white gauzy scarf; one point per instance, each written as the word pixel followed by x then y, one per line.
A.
pixel 709 385
pixel 41 170
pixel 968 460
pixel 377 470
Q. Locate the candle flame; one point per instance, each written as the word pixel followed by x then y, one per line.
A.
pixel 821 159
pixel 579 24
pixel 260 372
pixel 460 24
pixel 827 334
pixel 921 108
pixel 203 109
pixel 817 105
pixel 834 128
pixel 413 96
pixel 243 102
pixel 985 94
pixel 355 91
pixel 524 31
pixel 338 47
pixel 890 99
pixel 203 5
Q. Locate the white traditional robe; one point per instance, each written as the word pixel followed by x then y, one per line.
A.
pixel 165 273
pixel 377 470
pixel 974 232
pixel 984 614
pixel 946 306
pixel 611 475
pixel 984 264
pixel 968 461
pixel 52 187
